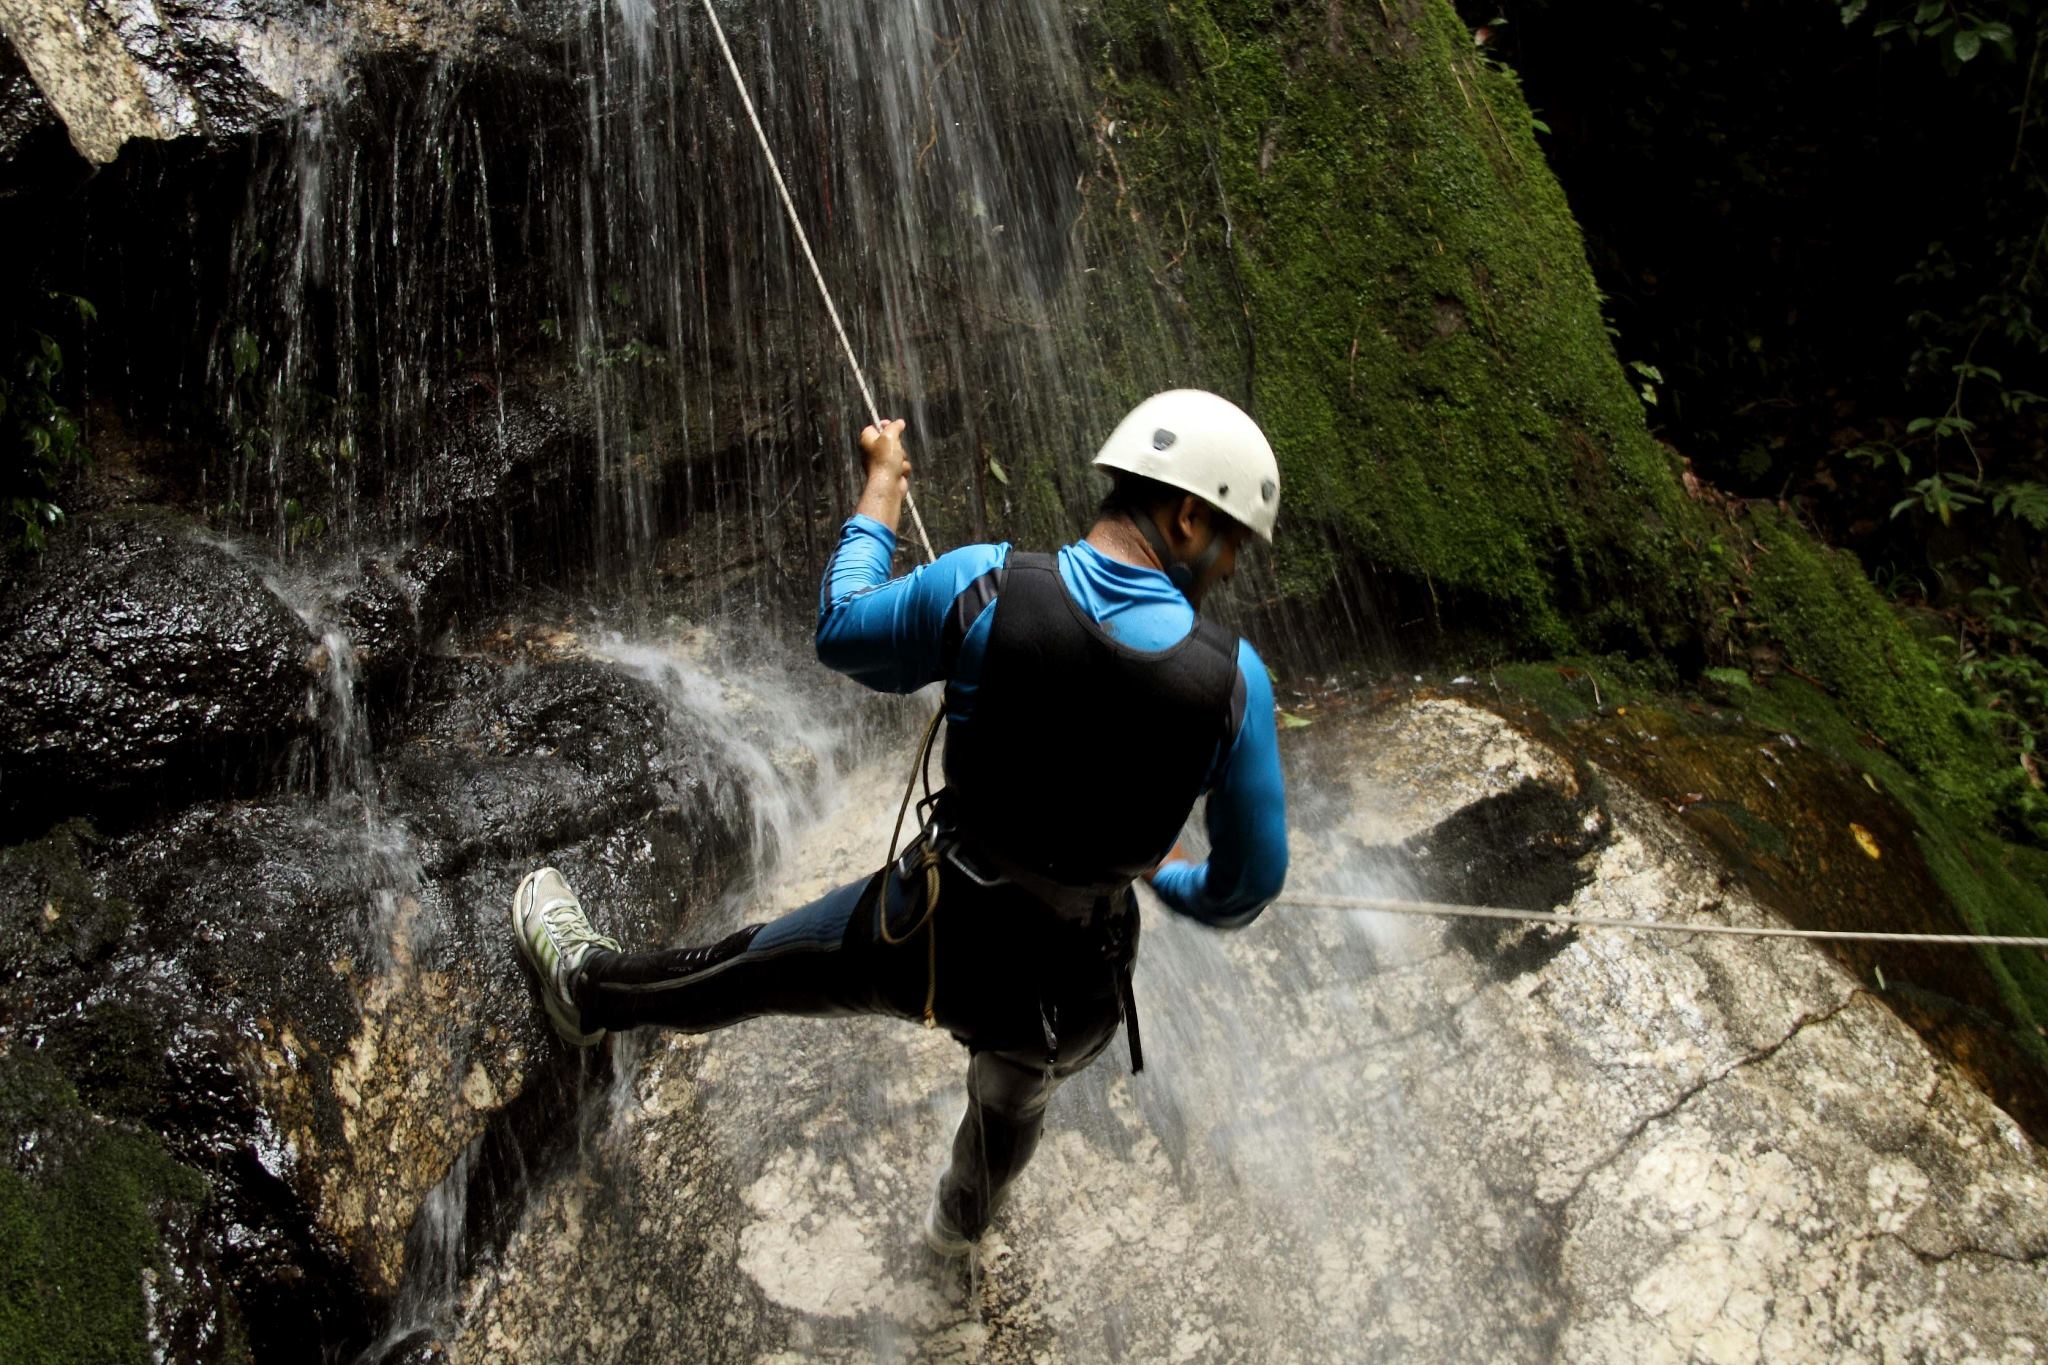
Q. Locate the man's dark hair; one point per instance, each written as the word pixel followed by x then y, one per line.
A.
pixel 1135 493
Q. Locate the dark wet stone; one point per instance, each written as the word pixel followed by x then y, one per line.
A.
pixel 516 760
pixel 142 1000
pixel 141 664
pixel 497 445
pixel 314 1003
pixel 23 110
pixel 1522 849
pixel 397 609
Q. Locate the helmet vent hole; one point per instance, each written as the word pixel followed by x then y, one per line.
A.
pixel 1163 438
pixel 1222 490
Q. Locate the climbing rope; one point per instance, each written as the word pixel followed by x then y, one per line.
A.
pixel 1442 909
pixel 803 240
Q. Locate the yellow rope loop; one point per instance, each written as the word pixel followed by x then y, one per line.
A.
pixel 928 863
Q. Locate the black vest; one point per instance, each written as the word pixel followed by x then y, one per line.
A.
pixel 1082 756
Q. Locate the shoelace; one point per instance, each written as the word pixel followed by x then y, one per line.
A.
pixel 572 937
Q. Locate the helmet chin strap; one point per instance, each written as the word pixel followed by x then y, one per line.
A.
pixel 1183 574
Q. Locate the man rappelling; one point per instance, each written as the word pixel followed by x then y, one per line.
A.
pixel 1087 707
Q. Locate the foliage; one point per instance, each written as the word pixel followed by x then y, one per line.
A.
pixel 38 432
pixel 1959 36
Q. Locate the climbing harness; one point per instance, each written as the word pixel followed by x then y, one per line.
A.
pixel 1442 909
pixel 803 240
pixel 1092 907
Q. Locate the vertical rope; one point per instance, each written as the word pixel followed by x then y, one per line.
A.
pixel 803 240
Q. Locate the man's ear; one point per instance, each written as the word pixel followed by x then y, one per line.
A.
pixel 1189 516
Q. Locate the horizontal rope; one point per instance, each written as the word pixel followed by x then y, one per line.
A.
pixel 1445 909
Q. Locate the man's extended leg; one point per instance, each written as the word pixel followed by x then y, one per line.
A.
pixel 823 959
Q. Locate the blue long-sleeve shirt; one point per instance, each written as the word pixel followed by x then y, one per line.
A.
pixel 889 634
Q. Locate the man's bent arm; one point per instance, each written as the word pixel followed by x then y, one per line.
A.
pixel 1247 821
pixel 890 633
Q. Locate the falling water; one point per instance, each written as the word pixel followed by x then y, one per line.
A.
pixel 558 322
pixel 431 241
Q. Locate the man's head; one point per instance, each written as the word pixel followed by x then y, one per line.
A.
pixel 1197 478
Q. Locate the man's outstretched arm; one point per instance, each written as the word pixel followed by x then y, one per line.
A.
pixel 889 633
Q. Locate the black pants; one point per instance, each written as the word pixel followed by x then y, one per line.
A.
pixel 1033 996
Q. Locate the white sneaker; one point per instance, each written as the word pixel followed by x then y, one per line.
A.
pixel 555 937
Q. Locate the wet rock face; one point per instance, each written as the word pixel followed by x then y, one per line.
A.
pixel 1355 1138
pixel 314 1005
pixel 137 660
pixel 114 70
pixel 397 608
pixel 508 762
pixel 142 1021
pixel 508 467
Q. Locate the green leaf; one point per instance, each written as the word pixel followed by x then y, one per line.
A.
pixel 1967 42
pixel 1853 10
pixel 1886 27
pixel 242 350
pixel 1290 721
pixel 1928 10
pixel 1538 124
pixel 995 468
pixel 1919 424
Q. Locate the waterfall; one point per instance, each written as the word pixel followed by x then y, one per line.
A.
pixel 545 313
pixel 429 239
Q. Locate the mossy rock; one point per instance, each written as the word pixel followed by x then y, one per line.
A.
pixel 1888 681
pixel 82 1205
pixel 1347 208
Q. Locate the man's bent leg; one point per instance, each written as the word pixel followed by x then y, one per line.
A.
pixel 1008 1089
pixel 823 959
pixel 1006 1098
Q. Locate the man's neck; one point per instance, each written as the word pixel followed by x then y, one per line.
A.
pixel 1116 537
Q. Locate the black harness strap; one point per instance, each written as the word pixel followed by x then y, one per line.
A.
pixel 1127 1001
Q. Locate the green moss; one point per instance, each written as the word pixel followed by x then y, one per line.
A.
pixel 1349 210
pixel 1996 887
pixel 1573 689
pixel 79 1211
pixel 1891 684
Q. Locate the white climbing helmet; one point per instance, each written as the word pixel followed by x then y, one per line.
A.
pixel 1205 445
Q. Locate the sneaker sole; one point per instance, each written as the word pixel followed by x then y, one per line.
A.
pixel 565 1027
